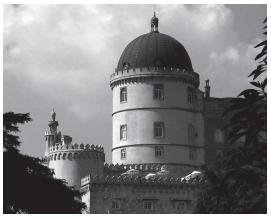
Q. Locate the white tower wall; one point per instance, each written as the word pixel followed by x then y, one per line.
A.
pixel 141 111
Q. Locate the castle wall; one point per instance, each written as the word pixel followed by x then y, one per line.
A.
pixel 165 195
pixel 214 121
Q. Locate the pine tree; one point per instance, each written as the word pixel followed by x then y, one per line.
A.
pixel 29 186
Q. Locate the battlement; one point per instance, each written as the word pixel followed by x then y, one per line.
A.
pixel 138 180
pixel 165 72
pixel 125 167
pixel 76 151
pixel 48 133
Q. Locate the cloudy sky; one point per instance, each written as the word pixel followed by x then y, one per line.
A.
pixel 61 56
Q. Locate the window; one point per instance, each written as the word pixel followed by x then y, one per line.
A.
pixel 180 206
pixel 159 151
pixel 218 154
pixel 158 91
pixel 219 136
pixel 159 129
pixel 191 134
pixel 123 153
pixel 123 132
pixel 190 95
pixel 147 205
pixel 123 94
pixel 192 154
pixel 116 204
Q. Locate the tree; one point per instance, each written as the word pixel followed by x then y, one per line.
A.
pixel 237 183
pixel 29 186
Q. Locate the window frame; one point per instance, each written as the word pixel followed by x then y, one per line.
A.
pixel 191 131
pixel 116 202
pixel 184 204
pixel 123 151
pixel 122 127
pixel 159 151
pixel 155 126
pixel 192 154
pixel 148 203
pixel 219 136
pixel 123 97
pixel 191 95
pixel 158 91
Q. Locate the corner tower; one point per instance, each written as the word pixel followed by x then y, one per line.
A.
pixel 157 106
pixel 71 161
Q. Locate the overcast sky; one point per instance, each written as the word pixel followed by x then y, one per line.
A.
pixel 61 56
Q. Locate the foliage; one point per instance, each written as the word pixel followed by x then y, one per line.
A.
pixel 237 182
pixel 29 186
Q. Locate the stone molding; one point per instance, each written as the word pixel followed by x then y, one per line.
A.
pixel 158 108
pixel 139 75
pixel 156 144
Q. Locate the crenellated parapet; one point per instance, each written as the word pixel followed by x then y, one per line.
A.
pixel 138 180
pixel 75 152
pixel 116 168
pixel 153 73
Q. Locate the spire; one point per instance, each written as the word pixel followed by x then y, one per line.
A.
pixel 53 115
pixel 154 23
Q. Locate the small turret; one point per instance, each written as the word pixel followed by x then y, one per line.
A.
pixel 207 89
pixel 52 136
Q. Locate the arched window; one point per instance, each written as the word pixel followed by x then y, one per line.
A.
pixel 158 91
pixel 219 136
pixel 159 129
pixel 123 153
pixel 123 94
pixel 123 132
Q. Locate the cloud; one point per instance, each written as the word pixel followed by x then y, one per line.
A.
pixel 232 66
pixel 230 55
pixel 62 56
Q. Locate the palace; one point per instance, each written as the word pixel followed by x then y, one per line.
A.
pixel 164 129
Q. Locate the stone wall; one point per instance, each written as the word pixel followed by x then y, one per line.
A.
pixel 126 194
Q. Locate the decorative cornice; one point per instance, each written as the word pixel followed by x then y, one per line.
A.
pixel 76 155
pixel 139 75
pixel 158 108
pixel 70 152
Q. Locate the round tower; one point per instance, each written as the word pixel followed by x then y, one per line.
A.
pixel 157 106
pixel 71 161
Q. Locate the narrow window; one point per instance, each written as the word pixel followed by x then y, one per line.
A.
pixel 158 91
pixel 190 95
pixel 159 129
pixel 219 136
pixel 192 154
pixel 116 204
pixel 123 94
pixel 159 151
pixel 123 153
pixel 123 132
pixel 218 154
pixel 147 205
pixel 181 206
pixel 191 134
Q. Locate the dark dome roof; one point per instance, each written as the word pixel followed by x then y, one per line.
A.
pixel 154 49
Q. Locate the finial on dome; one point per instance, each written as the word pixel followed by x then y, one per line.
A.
pixel 154 23
pixel 53 114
